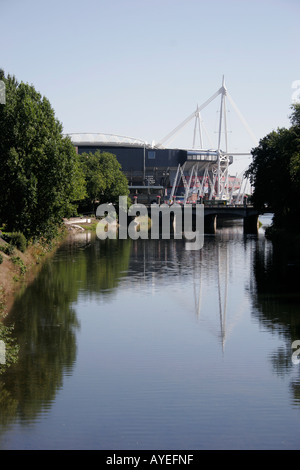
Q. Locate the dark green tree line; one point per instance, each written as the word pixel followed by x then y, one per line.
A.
pixel 40 175
pixel 275 174
pixel 42 179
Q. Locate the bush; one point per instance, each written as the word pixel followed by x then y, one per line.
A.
pixel 17 261
pixel 1 258
pixel 16 239
pixel 7 249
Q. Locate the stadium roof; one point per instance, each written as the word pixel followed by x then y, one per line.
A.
pixel 106 139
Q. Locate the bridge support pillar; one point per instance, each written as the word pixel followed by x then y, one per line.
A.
pixel 210 223
pixel 251 224
pixel 173 221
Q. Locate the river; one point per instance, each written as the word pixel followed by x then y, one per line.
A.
pixel 142 344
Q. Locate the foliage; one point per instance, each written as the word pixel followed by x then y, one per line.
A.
pixel 19 262
pixel 1 259
pixel 16 239
pixel 105 181
pixel 7 249
pixel 40 174
pixel 11 351
pixel 275 174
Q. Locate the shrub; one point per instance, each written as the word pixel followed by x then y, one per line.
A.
pixel 16 239
pixel 18 262
pixel 1 258
pixel 7 249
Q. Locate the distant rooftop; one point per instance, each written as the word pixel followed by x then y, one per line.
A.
pixel 106 139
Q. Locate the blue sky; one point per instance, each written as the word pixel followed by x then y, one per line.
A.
pixel 139 68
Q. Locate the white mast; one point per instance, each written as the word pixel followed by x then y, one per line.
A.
pixel 223 94
pixel 217 171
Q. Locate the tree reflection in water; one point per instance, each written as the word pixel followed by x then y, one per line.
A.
pixel 230 274
pixel 45 323
pixel 276 297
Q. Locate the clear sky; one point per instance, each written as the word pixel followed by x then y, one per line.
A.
pixel 139 68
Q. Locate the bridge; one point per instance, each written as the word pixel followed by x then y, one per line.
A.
pixel 248 213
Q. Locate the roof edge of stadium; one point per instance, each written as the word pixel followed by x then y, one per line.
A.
pixel 92 139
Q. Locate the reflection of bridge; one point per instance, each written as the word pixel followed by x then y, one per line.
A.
pixel 249 215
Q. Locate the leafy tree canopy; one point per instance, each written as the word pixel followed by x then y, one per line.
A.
pixel 40 174
pixel 275 173
pixel 105 181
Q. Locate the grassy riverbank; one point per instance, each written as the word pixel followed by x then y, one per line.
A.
pixel 19 268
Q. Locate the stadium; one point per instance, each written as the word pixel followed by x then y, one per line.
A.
pixel 156 172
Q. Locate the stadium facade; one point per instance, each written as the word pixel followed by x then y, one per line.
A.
pixel 150 171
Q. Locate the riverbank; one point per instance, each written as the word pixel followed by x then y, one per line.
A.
pixel 19 269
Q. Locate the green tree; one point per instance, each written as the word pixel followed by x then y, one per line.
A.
pixel 41 177
pixel 105 181
pixel 275 174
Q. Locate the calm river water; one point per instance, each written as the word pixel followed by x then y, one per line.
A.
pixel 146 345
